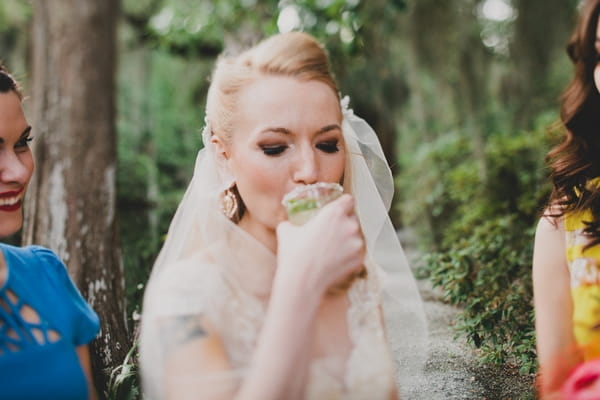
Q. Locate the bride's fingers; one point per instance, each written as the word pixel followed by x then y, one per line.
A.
pixel 283 227
pixel 345 204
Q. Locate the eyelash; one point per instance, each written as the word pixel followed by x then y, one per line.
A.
pixel 24 142
pixel 273 150
pixel 327 147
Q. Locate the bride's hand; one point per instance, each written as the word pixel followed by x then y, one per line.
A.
pixel 323 251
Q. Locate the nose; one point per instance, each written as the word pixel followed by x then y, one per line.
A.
pixel 12 169
pixel 306 168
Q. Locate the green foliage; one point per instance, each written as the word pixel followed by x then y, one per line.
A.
pixel 481 227
pixel 489 273
pixel 15 17
pixel 336 21
pixel 425 183
pixel 198 29
pixel 124 382
pixel 158 138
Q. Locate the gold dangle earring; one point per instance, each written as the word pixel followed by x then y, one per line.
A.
pixel 229 203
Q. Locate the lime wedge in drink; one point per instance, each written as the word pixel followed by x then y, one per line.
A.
pixel 303 202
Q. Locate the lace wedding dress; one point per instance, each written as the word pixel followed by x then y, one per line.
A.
pixel 235 293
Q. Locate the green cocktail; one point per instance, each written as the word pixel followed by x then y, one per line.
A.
pixel 303 202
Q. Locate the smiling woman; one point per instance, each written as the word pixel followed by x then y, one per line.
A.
pixel 16 161
pixel 243 304
pixel 45 324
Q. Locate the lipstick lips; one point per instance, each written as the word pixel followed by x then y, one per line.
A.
pixel 11 193
pixel 13 205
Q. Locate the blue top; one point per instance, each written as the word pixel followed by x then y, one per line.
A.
pixel 43 318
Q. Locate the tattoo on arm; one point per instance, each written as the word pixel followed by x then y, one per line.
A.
pixel 178 331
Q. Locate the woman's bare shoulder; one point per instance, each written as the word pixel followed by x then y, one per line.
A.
pixel 551 220
pixel 549 250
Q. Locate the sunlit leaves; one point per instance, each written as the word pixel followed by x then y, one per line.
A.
pixel 497 17
pixel 201 28
pixel 323 18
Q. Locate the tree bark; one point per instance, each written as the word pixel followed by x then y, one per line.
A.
pixel 534 47
pixel 71 199
pixel 445 38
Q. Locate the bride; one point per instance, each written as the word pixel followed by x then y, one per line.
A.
pixel 243 304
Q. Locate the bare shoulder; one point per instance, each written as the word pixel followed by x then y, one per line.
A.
pixel 552 295
pixel 549 251
pixel 551 222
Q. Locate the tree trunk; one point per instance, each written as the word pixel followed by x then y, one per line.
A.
pixel 71 199
pixel 446 42
pixel 534 47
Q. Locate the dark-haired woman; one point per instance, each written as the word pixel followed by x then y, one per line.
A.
pixel 566 262
pixel 45 325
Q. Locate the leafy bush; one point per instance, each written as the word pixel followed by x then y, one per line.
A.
pixel 489 273
pixel 159 125
pixel 480 227
pixel 124 382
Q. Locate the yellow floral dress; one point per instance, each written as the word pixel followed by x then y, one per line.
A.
pixel 584 268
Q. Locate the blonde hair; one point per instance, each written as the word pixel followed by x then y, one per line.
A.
pixel 293 54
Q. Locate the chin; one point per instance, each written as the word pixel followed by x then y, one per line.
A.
pixel 11 225
pixel 280 218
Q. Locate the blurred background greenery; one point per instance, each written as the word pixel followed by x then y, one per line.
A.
pixel 463 93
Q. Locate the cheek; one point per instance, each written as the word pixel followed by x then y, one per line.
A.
pixel 597 77
pixel 259 180
pixel 28 163
pixel 334 170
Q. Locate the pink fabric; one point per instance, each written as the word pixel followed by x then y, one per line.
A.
pixel 584 382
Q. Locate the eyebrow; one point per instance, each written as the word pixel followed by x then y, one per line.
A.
pixel 23 134
pixel 329 128
pixel 286 131
pixel 277 130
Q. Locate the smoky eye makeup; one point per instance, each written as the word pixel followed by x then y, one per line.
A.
pixel 24 139
pixel 273 150
pixel 329 146
pixel 271 143
pixel 24 142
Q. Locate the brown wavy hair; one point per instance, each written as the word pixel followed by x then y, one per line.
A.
pixel 576 161
pixel 8 83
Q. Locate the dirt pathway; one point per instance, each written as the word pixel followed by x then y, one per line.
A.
pixel 452 370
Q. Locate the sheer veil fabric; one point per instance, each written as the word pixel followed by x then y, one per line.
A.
pixel 209 267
